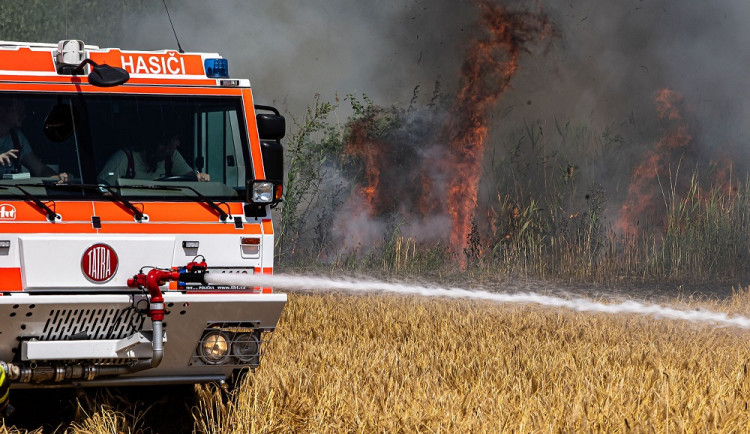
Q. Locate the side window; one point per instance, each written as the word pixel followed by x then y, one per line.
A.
pixel 218 147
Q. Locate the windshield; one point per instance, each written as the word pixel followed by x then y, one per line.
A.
pixel 125 142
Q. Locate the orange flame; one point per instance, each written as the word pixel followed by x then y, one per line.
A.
pixel 362 146
pixel 641 200
pixel 486 73
pixel 490 64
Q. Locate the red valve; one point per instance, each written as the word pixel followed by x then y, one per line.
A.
pixel 153 280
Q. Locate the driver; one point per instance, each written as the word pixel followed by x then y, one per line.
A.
pixel 15 149
pixel 149 163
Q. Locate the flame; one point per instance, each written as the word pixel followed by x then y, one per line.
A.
pixel 370 152
pixel 723 176
pixel 441 178
pixel 641 200
pixel 490 65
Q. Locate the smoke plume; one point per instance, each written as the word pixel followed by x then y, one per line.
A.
pixel 605 69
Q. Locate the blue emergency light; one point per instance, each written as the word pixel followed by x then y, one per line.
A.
pixel 216 68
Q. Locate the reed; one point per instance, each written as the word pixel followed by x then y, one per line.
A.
pixel 548 208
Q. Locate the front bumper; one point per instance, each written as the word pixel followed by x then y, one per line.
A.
pixel 112 329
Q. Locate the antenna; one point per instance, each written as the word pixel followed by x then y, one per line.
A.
pixel 179 48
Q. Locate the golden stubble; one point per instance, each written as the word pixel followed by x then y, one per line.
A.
pixel 404 364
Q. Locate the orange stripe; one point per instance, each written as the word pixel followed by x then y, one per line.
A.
pixel 78 211
pixel 177 228
pixel 11 279
pixel 267 226
pixel 52 78
pixel 252 131
pixel 46 228
pixel 164 211
pixel 149 90
pixel 128 228
pixel 164 218
pixel 266 290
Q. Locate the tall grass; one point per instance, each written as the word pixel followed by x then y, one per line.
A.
pixel 547 206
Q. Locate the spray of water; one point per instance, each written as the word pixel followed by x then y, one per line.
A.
pixel 363 286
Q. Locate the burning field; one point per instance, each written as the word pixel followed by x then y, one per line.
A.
pixel 598 142
pixel 495 176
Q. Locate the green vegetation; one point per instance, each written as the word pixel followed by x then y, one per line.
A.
pixel 93 21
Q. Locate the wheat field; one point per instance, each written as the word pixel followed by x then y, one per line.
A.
pixel 379 363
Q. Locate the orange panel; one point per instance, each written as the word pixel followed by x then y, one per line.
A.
pixel 252 131
pixel 11 279
pixel 27 60
pixel 267 227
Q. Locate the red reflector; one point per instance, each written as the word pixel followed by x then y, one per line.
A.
pixel 251 241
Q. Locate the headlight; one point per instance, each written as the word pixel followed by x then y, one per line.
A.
pixel 214 348
pixel 262 192
pixel 246 347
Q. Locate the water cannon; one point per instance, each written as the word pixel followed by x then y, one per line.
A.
pixel 193 272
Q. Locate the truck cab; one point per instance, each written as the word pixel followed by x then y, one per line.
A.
pixel 127 178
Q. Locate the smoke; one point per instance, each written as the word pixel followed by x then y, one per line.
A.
pixel 295 49
pixel 603 70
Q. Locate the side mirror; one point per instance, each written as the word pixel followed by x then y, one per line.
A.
pixel 103 75
pixel 270 126
pixel 107 76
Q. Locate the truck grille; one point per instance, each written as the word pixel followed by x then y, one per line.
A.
pixel 64 324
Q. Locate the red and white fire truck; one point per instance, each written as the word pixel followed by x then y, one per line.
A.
pixel 127 178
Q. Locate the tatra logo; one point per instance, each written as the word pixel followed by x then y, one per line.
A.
pixel 99 263
pixel 7 212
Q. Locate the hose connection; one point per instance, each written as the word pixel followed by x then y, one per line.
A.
pixel 193 272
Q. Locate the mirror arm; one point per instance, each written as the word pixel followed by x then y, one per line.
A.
pixel 79 69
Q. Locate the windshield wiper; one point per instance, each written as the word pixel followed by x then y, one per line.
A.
pixel 211 204
pixel 138 214
pixel 51 215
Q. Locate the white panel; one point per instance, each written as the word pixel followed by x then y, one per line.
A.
pixel 133 347
pixel 219 250
pixel 54 261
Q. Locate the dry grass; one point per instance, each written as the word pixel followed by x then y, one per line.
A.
pixel 393 364
pixel 401 364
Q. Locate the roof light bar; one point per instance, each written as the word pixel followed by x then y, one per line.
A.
pixel 216 68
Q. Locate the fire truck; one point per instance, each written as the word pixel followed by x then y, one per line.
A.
pixel 128 178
